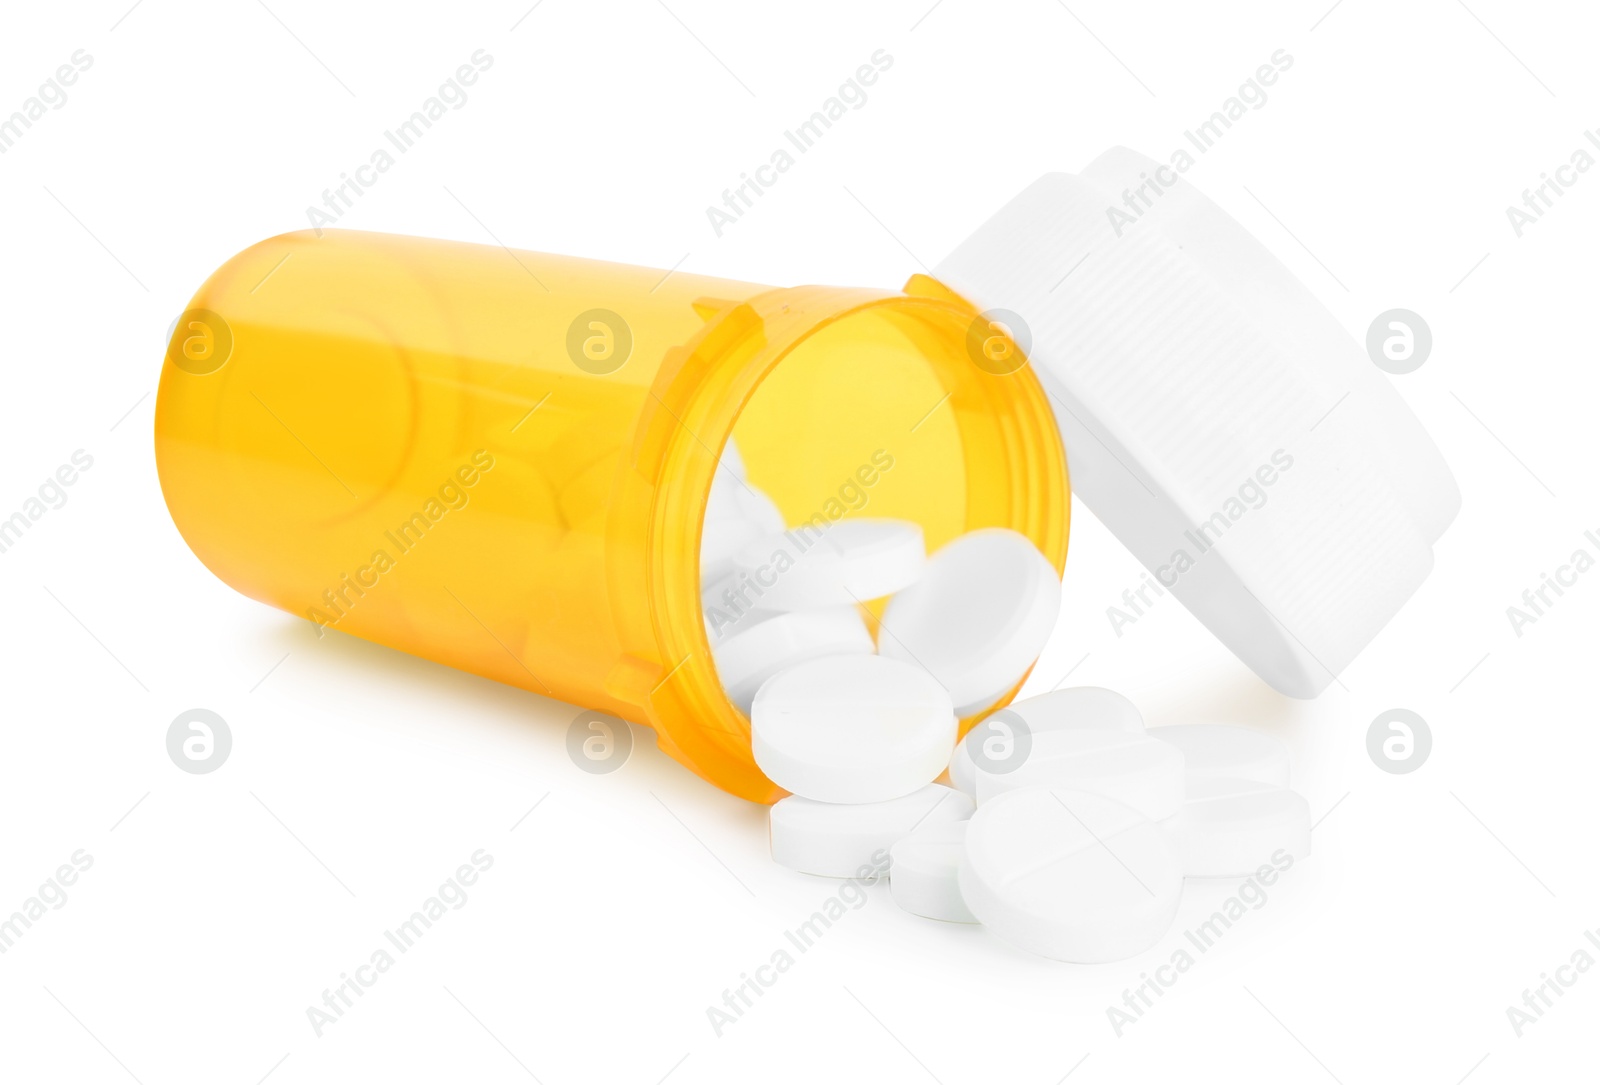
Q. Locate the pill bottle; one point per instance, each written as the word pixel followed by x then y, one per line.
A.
pixel 501 460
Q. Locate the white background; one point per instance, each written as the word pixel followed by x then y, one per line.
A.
pixel 219 907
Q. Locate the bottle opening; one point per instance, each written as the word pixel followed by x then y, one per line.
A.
pixel 840 405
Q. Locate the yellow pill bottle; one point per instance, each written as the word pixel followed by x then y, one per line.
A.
pixel 501 460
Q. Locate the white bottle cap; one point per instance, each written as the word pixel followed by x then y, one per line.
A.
pixel 1216 417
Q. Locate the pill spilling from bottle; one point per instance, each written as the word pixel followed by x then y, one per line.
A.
pixel 1067 828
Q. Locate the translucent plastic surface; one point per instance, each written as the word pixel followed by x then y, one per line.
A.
pixel 500 460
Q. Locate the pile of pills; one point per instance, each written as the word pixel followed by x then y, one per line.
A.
pixel 1067 829
pixel 960 627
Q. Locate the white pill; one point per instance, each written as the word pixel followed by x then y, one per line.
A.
pixel 755 653
pixel 1231 828
pixel 837 839
pixel 979 616
pixel 1142 773
pixel 1218 750
pixel 754 505
pixel 730 606
pixel 737 514
pixel 851 728
pixel 963 773
pixel 720 540
pixel 731 460
pixel 735 498
pixel 923 872
pixel 1079 706
pixel 849 562
pixel 1070 876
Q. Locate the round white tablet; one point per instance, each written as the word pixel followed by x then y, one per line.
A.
pixel 720 540
pixel 1138 772
pixel 837 839
pixel 1232 828
pixel 922 871
pixel 731 460
pixel 754 505
pixel 851 728
pixel 1218 750
pixel 735 498
pixel 736 515
pixel 1070 876
pixel 1080 706
pixel 963 774
pixel 761 649
pixel 730 606
pixel 846 563
pixel 979 616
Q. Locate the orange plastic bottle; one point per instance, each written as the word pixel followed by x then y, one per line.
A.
pixel 501 460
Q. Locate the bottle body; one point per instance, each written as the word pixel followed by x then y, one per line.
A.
pixel 500 460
